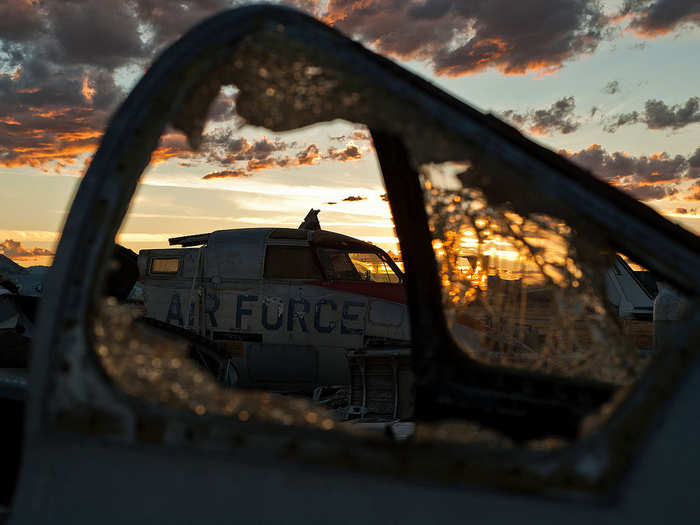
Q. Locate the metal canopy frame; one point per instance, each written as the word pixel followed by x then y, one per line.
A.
pixel 72 401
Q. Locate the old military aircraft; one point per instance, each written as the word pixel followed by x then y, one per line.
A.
pixel 119 428
pixel 284 304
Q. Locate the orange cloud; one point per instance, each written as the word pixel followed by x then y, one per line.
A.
pixel 652 19
pixel 50 114
pixel 458 38
pixel 226 174
pixel 653 177
pixel 261 164
pixel 172 145
pixel 308 156
pixel 350 152
pixel 14 250
pixel 37 156
pixel 87 90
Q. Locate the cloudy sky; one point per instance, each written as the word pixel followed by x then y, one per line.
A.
pixel 613 85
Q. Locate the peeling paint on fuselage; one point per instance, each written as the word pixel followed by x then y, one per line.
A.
pixel 277 318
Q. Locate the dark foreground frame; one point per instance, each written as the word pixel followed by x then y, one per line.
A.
pixel 92 454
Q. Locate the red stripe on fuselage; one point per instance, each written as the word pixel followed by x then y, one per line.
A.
pixel 389 292
pixel 386 291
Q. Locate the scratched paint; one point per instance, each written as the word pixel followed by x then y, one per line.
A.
pixel 287 313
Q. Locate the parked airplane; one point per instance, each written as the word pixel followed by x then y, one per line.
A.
pixel 287 304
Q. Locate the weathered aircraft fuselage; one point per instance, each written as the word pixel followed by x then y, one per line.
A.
pixel 287 304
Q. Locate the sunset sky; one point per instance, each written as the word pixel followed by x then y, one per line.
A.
pixel 612 85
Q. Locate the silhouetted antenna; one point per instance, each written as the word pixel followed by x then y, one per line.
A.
pixel 311 221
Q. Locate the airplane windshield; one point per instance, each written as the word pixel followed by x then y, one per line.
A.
pixel 356 266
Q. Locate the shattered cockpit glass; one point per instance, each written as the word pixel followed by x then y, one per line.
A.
pixel 251 310
pixel 527 291
pixel 265 265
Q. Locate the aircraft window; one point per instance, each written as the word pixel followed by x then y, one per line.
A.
pixel 373 268
pixel 356 266
pixel 290 262
pixel 165 265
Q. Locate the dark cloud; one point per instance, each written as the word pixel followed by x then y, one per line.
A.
pixel 354 198
pixel 226 147
pixel 646 177
pixel 458 37
pixel 14 250
pixel 651 192
pixel 94 33
pixel 622 119
pixel 263 148
pixel 165 21
pixel 226 174
pixel 310 155
pixel 350 152
pixel 681 211
pixel 653 18
pixel 59 57
pixel 261 164
pixel 228 150
pixel 172 145
pixel 658 115
pixel 360 135
pixel 49 113
pixel 612 87
pixel 251 166
pixel 558 117
pixel 20 20
pixel 693 193
pixel 240 157
pixel 55 104
pixel 357 135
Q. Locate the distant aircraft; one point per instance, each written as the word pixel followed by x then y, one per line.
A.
pixel 287 304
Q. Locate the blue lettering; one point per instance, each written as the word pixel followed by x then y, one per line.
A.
pixel 190 316
pixel 348 316
pixel 299 315
pixel 240 311
pixel 278 316
pixel 211 307
pixel 175 310
pixel 317 318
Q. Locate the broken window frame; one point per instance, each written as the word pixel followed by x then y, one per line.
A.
pixel 70 392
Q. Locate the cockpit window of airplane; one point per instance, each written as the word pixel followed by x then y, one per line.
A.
pixel 351 251
pixel 358 266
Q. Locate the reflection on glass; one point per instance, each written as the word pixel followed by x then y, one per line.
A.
pixel 165 265
pixel 358 266
pixel 525 291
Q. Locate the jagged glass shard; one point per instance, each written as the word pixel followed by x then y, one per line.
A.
pixel 527 290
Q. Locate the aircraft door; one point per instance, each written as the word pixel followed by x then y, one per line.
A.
pixel 286 359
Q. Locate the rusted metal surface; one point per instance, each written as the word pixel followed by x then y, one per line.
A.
pixel 270 470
